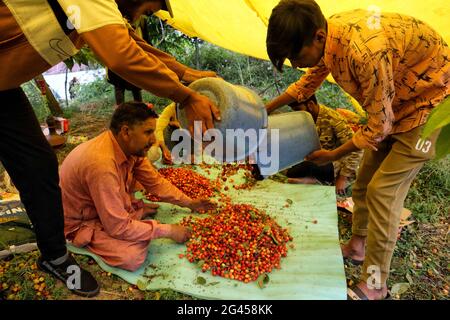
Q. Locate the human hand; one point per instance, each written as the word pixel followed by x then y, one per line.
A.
pixel 190 75
pixel 150 210
pixel 321 157
pixel 179 234
pixel 202 205
pixel 341 184
pixel 166 155
pixel 200 108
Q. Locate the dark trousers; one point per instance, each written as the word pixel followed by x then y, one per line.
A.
pixel 33 167
pixel 324 174
pixel 120 85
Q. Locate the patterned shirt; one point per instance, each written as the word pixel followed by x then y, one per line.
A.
pixel 397 67
pixel 333 132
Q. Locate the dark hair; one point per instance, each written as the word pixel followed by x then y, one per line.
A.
pixel 126 7
pixel 292 24
pixel 130 113
pixel 295 104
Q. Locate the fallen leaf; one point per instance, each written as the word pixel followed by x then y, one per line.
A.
pixel 142 285
pixel 409 278
pixel 263 280
pixel 200 263
pixel 201 281
pixel 400 288
pixel 273 238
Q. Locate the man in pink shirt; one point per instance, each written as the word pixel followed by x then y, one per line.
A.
pixel 98 179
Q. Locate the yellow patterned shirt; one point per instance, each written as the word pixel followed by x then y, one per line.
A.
pixel 397 67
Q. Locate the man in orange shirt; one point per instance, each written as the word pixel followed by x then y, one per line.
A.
pixel 398 69
pixel 36 35
pixel 98 181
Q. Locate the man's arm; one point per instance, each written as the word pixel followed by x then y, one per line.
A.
pixel 184 73
pixel 322 157
pixel 119 51
pixel 301 90
pixel 308 84
pixel 281 100
pixel 104 189
pixel 156 184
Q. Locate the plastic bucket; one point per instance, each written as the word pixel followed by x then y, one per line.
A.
pixel 291 136
pixel 242 112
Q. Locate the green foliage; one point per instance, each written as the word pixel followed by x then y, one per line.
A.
pixel 440 118
pixel 429 196
pixel 98 89
pixel 166 38
pixel 37 101
pixel 83 57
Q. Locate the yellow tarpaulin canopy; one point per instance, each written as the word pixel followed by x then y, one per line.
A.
pixel 241 25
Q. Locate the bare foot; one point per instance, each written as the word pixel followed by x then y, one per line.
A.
pixel 355 248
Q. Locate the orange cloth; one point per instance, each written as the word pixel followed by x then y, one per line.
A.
pixel 397 68
pixel 97 182
pixel 119 48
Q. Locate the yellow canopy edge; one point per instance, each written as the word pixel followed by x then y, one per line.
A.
pixel 241 25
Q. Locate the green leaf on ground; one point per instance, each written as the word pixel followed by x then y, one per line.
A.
pixel 142 285
pixel 213 283
pixel 409 278
pixel 200 263
pixel 262 280
pixel 201 281
pixel 274 240
pixel 400 288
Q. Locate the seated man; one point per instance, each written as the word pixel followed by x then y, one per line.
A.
pixel 333 130
pixel 98 179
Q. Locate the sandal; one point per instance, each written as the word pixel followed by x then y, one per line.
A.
pixel 353 261
pixel 355 293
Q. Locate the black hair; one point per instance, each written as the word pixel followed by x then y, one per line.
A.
pixel 298 103
pixel 130 113
pixel 292 25
pixel 126 7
